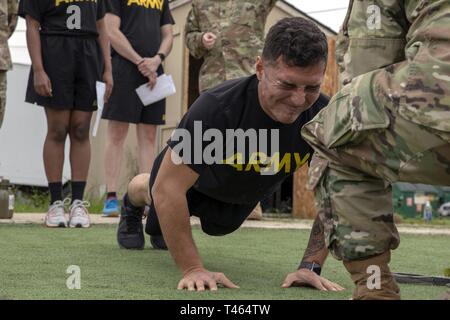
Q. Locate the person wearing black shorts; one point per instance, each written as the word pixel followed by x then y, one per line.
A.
pixel 69 50
pixel 141 36
pixel 237 143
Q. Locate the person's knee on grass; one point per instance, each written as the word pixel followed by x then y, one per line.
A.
pixel 138 190
pixel 130 232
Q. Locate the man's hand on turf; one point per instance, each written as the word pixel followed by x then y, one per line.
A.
pixel 307 278
pixel 199 279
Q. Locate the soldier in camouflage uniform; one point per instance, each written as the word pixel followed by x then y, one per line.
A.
pixel 389 123
pixel 8 23
pixel 228 34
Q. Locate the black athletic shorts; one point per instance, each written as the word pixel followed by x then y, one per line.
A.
pixel 217 218
pixel 73 64
pixel 124 104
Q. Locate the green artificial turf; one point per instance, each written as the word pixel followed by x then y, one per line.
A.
pixel 34 261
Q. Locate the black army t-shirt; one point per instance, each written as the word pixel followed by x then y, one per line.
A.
pixel 64 17
pixel 209 139
pixel 141 21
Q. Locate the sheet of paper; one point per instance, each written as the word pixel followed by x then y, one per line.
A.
pixel 100 87
pixel 164 88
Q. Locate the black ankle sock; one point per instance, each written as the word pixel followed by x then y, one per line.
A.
pixel 111 195
pixel 78 190
pixel 55 189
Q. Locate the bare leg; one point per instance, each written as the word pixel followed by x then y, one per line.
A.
pixel 130 233
pixel 58 122
pixel 146 135
pixel 115 138
pixel 138 190
pixel 80 146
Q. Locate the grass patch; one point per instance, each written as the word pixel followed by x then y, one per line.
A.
pixel 36 200
pixel 35 260
pixel 437 221
pixel 31 199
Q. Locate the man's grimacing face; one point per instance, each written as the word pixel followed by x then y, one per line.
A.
pixel 286 91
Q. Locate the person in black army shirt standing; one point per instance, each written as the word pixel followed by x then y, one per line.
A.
pixel 69 50
pixel 141 36
pixel 193 175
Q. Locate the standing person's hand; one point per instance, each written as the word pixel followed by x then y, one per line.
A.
pixel 152 80
pixel 109 83
pixel 199 279
pixel 148 66
pixel 305 277
pixel 42 84
pixel 209 40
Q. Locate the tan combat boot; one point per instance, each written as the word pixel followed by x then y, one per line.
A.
pixel 364 274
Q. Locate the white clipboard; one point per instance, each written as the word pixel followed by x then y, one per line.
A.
pixel 163 88
pixel 100 88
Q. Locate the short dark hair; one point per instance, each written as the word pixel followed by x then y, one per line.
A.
pixel 298 41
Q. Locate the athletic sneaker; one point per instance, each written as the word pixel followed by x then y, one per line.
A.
pixel 130 233
pixel 55 216
pixel 111 208
pixel 158 242
pixel 78 214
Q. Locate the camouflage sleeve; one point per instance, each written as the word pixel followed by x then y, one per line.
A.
pixel 13 7
pixel 372 36
pixel 194 34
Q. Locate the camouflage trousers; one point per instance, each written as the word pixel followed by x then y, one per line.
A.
pixel 2 95
pixel 371 135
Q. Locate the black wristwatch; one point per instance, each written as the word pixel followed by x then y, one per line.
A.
pixel 162 56
pixel 314 267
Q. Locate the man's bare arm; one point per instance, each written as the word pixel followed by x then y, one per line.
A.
pixel 316 250
pixel 41 81
pixel 118 40
pixel 169 198
pixel 166 39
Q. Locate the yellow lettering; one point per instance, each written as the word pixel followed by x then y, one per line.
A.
pixel 276 165
pixel 260 159
pixel 298 161
pixel 235 161
pixel 255 160
pixel 286 163
pixel 59 2
pixel 153 4
pixel 137 2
